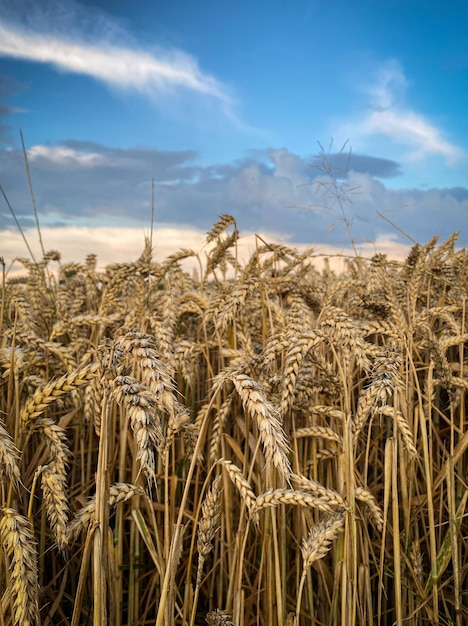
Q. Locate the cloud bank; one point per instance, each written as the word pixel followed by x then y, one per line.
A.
pixel 93 186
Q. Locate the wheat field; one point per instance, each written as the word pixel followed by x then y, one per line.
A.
pixel 248 444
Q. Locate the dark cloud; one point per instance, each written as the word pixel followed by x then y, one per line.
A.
pixel 343 162
pixel 90 159
pixel 274 191
pixel 459 193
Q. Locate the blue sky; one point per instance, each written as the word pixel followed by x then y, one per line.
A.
pixel 224 105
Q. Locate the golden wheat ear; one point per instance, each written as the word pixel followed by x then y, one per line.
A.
pixel 219 618
pixel 20 548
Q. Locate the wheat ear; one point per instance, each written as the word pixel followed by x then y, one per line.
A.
pixel 120 492
pixel 317 545
pixel 240 482
pixel 268 421
pixel 318 542
pixel 54 492
pixel 208 525
pixel 48 394
pixel 273 497
pixel 8 458
pixel 219 618
pixel 20 547
pixel 141 404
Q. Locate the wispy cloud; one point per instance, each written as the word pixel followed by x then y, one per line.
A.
pixel 388 115
pixel 117 66
pixel 409 128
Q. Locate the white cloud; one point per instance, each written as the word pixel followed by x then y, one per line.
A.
pixel 388 115
pixel 63 156
pixel 409 128
pixel 124 67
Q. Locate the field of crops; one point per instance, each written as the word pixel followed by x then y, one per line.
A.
pixel 243 444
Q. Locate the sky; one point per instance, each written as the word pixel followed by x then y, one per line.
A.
pixel 327 124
